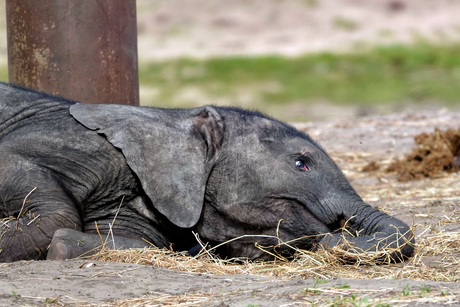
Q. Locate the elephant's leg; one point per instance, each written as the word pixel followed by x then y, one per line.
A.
pixel 36 205
pixel 28 237
pixel 68 243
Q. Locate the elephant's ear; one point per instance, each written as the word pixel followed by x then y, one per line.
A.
pixel 169 150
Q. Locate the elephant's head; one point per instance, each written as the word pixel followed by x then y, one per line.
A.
pixel 227 173
pixel 276 183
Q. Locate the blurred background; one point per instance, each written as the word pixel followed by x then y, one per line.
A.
pixel 297 60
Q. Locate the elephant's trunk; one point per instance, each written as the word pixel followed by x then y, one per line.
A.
pixel 369 230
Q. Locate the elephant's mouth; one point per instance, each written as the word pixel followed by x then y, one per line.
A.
pixel 337 224
pixel 321 222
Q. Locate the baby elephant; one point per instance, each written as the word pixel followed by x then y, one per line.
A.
pixel 69 171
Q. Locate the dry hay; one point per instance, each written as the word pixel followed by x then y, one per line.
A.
pixel 326 264
pixel 435 154
pixel 320 265
pixel 162 299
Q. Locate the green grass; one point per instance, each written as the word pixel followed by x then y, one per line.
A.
pixel 392 75
pixel 3 73
pixel 397 73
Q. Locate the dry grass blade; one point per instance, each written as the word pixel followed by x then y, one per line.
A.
pixel 24 203
pixel 4 222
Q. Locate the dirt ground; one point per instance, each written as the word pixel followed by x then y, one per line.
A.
pixel 430 205
pixel 200 28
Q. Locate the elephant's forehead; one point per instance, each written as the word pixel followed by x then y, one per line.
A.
pixel 299 145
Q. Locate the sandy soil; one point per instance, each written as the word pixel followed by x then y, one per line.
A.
pixel 426 204
pixel 72 283
pixel 200 28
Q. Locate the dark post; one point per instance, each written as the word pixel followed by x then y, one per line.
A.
pixel 84 50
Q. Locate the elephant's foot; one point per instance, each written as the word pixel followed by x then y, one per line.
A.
pixel 29 236
pixel 69 243
pixel 58 251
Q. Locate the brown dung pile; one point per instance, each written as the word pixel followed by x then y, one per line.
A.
pixel 435 154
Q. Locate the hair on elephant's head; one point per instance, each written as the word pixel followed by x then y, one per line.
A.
pixel 228 173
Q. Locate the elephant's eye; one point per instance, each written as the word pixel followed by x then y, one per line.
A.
pixel 301 165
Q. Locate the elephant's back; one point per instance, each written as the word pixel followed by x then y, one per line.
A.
pixel 21 107
pixel 37 129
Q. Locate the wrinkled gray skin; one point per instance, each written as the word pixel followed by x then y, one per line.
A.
pixel 220 172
